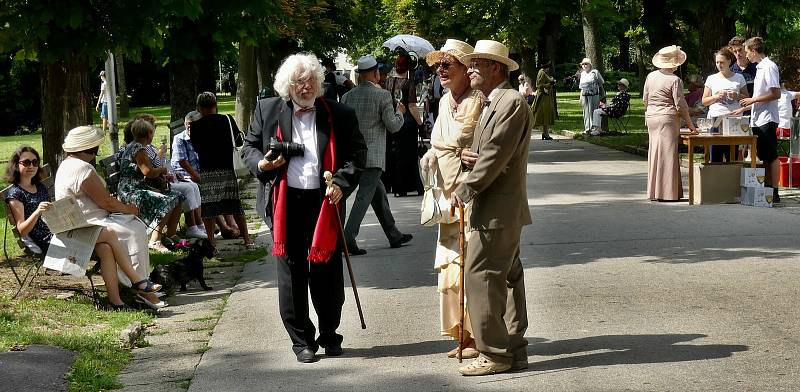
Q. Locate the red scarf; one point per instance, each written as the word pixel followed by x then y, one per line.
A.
pixel 326 231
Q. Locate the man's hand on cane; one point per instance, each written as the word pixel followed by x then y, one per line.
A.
pixel 333 191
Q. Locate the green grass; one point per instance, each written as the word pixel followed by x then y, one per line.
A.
pixel 74 325
pixel 571 119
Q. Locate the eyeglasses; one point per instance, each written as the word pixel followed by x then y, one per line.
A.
pixel 28 162
pixel 302 82
pixel 474 64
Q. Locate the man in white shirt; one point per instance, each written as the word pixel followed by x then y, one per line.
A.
pixel 764 117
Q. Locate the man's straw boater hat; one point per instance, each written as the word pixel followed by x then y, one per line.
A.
pixel 452 47
pixel 669 57
pixel 491 50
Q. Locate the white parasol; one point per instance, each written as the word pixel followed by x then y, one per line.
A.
pixel 411 43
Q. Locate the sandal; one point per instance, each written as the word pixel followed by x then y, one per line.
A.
pixel 155 306
pixel 157 246
pixel 250 246
pixel 149 287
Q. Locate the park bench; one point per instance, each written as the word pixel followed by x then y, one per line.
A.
pixel 175 128
pixel 109 171
pixel 32 252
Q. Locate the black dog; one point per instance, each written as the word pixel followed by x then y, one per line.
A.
pixel 185 270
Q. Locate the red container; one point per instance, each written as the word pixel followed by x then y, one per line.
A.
pixel 785 171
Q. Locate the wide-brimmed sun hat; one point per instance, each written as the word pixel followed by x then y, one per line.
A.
pixel 669 57
pixel 83 138
pixel 491 50
pixel 624 82
pixel 451 47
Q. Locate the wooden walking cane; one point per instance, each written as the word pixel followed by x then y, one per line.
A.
pixel 329 180
pixel 462 255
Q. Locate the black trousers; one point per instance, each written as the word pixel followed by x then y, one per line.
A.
pixel 296 276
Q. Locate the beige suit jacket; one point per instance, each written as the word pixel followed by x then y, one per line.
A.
pixel 497 184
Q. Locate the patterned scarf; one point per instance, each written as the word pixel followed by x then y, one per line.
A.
pixel 326 231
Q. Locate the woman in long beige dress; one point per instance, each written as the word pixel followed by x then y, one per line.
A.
pixel 459 110
pixel 663 98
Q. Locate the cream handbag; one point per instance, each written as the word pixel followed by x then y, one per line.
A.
pixel 435 207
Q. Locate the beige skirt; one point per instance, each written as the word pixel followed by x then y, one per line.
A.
pixel 663 163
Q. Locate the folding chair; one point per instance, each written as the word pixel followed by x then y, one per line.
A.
pixel 35 254
pixel 620 124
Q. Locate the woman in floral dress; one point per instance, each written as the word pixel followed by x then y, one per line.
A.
pixel 158 206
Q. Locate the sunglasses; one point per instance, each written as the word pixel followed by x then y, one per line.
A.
pixel 28 162
pixel 445 65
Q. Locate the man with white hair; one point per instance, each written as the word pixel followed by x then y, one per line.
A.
pixel 291 142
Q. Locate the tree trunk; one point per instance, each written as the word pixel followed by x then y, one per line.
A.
pixel 66 102
pixel 640 65
pixel 548 37
pixel 624 59
pixel 527 64
pixel 122 88
pixel 183 88
pixel 657 19
pixel 246 85
pixel 591 35
pixel 265 60
pixel 715 35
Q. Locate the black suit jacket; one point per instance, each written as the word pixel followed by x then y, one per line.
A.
pixel 351 150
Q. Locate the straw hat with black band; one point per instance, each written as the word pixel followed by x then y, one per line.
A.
pixel 83 138
pixel 669 57
pixel 451 47
pixel 491 50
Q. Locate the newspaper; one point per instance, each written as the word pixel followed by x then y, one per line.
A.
pixel 70 251
pixel 73 238
pixel 64 215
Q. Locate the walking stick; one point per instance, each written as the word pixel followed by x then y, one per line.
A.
pixel 329 180
pixel 462 255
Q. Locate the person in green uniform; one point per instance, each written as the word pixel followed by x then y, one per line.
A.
pixel 544 105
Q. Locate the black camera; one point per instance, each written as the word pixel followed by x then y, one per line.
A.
pixel 288 149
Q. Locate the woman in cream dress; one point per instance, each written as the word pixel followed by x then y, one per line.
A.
pixel 459 110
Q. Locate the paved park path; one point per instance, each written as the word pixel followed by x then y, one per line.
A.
pixel 623 295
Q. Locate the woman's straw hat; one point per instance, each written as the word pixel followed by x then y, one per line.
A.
pixel 669 57
pixel 451 47
pixel 83 138
pixel 491 50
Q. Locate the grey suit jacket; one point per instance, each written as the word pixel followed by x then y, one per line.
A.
pixel 497 184
pixel 376 118
pixel 274 112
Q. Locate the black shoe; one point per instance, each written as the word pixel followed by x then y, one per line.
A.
pixel 354 251
pixel 403 239
pixel 546 137
pixel 333 351
pixel 307 356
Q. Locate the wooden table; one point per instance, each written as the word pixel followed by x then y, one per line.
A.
pixel 707 140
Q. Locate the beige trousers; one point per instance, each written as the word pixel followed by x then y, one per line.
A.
pixel 495 282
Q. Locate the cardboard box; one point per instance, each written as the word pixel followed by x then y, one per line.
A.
pixel 756 196
pixel 736 126
pixel 716 183
pixel 752 177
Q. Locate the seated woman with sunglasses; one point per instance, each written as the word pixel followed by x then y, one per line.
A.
pixel 28 199
pixel 77 177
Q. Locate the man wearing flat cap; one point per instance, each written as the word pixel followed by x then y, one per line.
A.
pixel 496 187
pixel 376 119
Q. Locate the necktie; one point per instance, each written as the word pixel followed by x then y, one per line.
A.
pixel 302 110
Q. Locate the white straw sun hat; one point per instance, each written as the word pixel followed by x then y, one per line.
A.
pixel 669 57
pixel 83 138
pixel 491 50
pixel 453 47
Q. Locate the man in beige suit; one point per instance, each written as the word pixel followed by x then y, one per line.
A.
pixel 496 186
